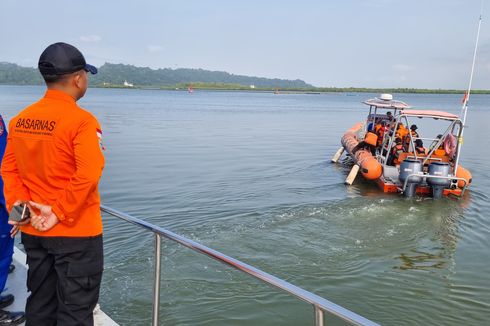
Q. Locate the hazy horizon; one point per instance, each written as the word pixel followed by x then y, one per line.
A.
pixel 372 43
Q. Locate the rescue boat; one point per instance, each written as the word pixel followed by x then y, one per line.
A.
pixel 395 158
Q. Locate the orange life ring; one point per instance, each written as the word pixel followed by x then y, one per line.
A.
pixel 450 145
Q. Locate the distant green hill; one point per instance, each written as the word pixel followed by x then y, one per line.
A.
pixel 12 74
pixel 116 74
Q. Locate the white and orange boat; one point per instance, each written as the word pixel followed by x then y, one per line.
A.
pixel 394 157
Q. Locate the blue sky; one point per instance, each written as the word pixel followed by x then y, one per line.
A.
pixel 370 43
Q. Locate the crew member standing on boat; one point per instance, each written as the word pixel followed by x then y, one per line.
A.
pixel 54 161
pixel 412 136
pixel 381 129
pixel 389 116
pixel 401 131
pixel 413 132
pixel 397 150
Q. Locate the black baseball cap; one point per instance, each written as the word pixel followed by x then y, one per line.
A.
pixel 62 58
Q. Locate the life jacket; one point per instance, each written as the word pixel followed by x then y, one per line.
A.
pixel 397 150
pixel 440 151
pixel 381 134
pixel 371 139
pixel 402 132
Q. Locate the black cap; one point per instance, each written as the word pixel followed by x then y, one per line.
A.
pixel 413 127
pixel 61 58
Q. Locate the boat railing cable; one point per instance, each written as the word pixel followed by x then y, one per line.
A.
pixel 319 304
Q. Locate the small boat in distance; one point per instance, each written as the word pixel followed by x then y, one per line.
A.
pixel 126 84
pixel 388 148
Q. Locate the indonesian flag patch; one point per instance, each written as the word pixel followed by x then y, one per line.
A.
pixel 99 137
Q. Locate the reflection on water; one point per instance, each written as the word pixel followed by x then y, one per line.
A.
pixel 445 215
pixel 421 260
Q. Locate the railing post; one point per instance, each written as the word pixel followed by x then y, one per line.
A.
pixel 156 284
pixel 320 304
pixel 318 316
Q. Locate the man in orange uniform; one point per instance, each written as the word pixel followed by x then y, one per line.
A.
pixel 414 136
pixel 396 151
pixel 381 129
pixel 53 162
pixel 401 131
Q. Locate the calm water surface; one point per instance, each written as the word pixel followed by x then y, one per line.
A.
pixel 248 174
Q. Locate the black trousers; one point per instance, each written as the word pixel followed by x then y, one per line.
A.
pixel 64 279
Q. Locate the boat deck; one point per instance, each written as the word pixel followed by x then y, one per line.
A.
pixel 16 285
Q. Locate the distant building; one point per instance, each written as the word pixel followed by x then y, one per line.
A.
pixel 252 86
pixel 126 84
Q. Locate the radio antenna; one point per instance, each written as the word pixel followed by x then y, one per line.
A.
pixel 464 108
pixel 466 97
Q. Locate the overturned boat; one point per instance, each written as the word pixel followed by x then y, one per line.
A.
pixel 388 149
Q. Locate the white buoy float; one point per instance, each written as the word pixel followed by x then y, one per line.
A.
pixel 352 175
pixel 338 155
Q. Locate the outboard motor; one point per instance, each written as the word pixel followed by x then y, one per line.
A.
pixel 410 166
pixel 438 184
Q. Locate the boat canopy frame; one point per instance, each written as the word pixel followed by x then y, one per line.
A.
pixel 455 128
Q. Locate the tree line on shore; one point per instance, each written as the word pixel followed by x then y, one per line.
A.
pixel 116 74
pixel 121 75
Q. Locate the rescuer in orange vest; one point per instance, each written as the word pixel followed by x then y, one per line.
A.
pixel 440 151
pixel 414 134
pixel 395 152
pixel 401 131
pixel 413 131
pixel 53 162
pixel 381 129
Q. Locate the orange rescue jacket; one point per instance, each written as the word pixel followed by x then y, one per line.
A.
pixel 397 150
pixel 54 157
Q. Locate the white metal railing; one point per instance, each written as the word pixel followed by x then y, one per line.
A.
pixel 320 304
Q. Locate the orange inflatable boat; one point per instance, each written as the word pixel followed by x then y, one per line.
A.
pixel 387 152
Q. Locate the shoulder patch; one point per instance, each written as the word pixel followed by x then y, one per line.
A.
pixel 99 137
